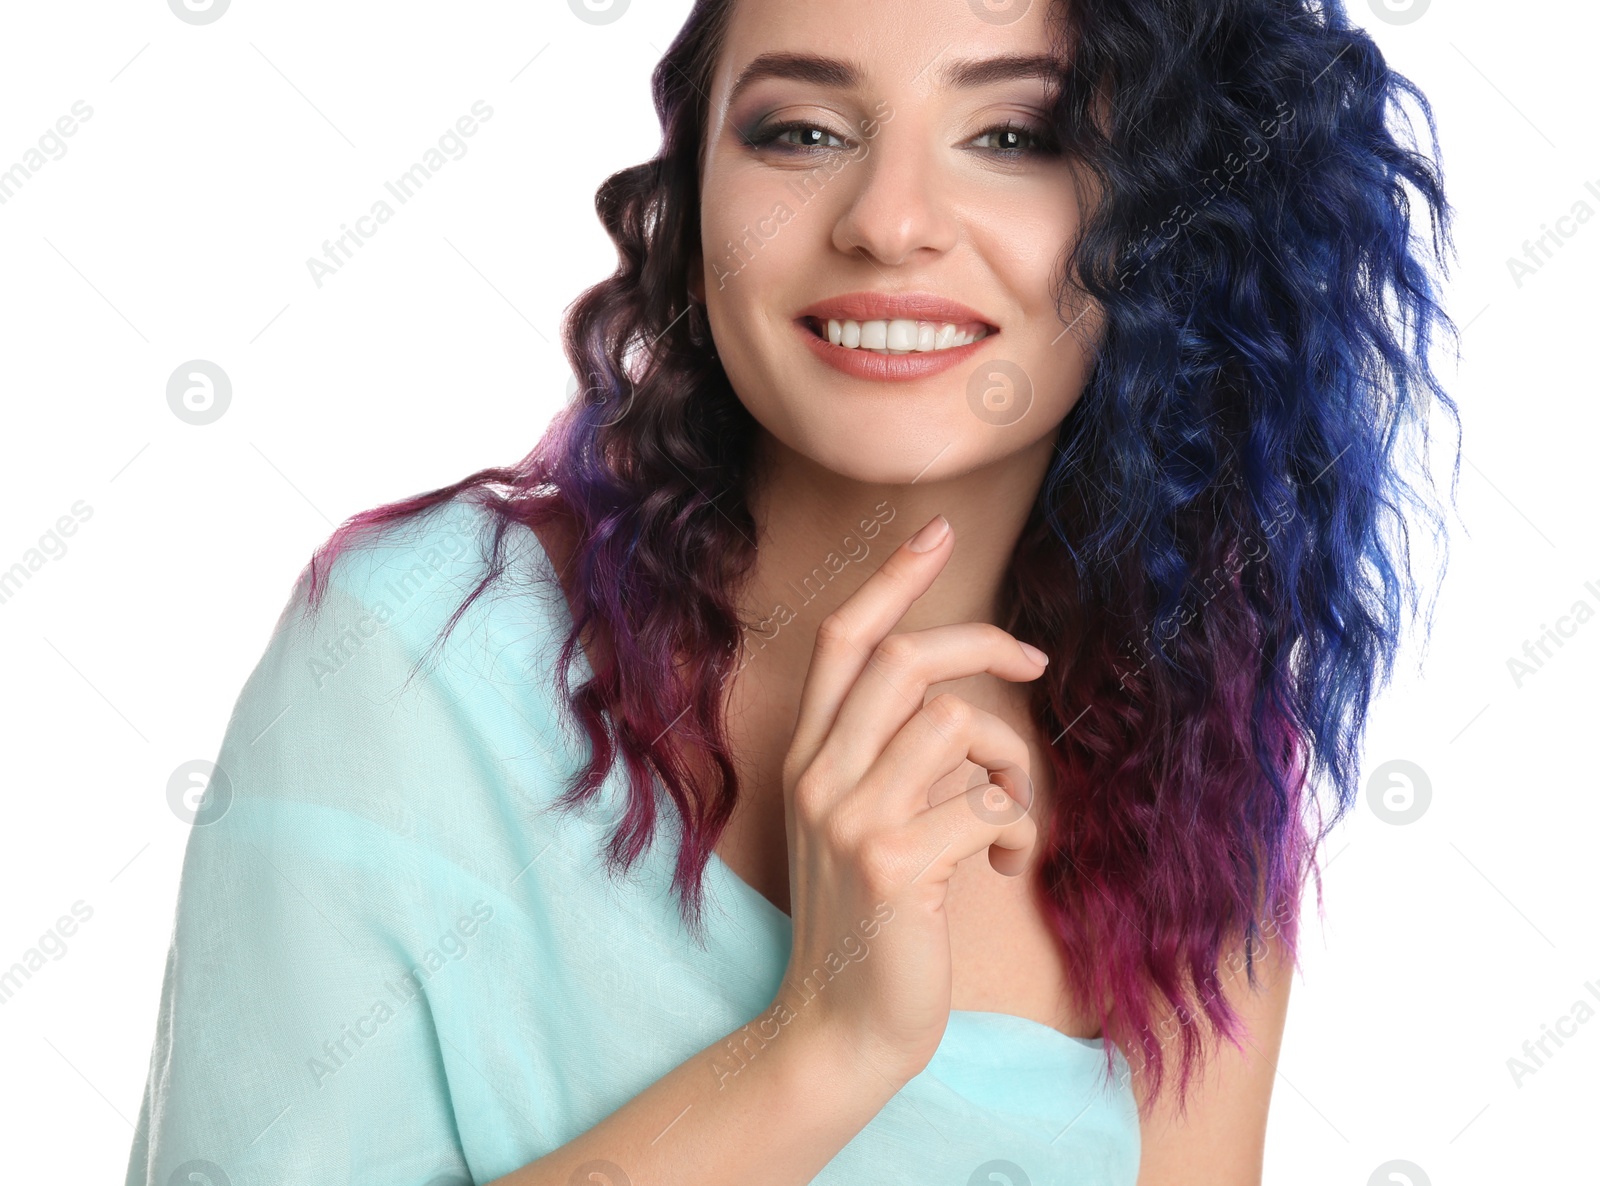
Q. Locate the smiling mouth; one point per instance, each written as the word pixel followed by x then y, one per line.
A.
pixel 899 335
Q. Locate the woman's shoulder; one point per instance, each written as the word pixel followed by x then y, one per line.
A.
pixel 451 607
pixel 364 820
pixel 398 693
pixel 399 566
pixel 455 564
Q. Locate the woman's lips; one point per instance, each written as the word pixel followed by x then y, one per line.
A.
pixel 866 363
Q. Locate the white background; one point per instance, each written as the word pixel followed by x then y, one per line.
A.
pixel 177 226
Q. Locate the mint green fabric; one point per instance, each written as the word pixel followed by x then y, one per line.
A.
pixel 395 964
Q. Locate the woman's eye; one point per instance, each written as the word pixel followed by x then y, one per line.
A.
pixel 1009 140
pixel 1005 140
pixel 795 136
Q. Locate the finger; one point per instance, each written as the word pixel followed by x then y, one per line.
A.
pixel 894 686
pixel 846 637
pixel 943 734
pixel 948 834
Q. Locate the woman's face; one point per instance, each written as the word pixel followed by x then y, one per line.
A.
pixel 883 221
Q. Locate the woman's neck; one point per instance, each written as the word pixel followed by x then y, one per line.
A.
pixel 819 536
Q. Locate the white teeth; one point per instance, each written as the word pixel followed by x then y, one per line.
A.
pixel 900 336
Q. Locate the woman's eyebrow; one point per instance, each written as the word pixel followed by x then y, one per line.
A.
pixel 842 74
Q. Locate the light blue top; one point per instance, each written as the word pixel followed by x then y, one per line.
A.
pixel 393 966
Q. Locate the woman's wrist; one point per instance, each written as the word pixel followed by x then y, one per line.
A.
pixel 818 1050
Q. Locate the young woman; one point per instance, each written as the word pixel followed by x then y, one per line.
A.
pixel 976 528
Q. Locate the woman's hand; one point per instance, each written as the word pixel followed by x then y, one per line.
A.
pixel 869 860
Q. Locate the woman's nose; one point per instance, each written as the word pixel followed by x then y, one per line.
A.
pixel 898 204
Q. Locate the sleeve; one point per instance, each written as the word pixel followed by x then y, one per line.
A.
pixel 287 1049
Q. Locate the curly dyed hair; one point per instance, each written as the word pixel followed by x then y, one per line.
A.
pixel 1218 560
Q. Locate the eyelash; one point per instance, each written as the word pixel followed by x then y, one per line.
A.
pixel 1043 145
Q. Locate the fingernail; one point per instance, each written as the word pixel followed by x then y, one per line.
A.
pixel 930 535
pixel 1033 653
